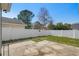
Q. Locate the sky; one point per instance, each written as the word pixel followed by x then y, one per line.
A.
pixel 60 12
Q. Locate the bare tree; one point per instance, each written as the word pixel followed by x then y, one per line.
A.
pixel 43 16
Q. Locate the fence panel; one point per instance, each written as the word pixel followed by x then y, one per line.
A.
pixel 13 33
pixel 77 34
pixel 66 33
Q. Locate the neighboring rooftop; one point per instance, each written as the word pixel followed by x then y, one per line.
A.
pixel 75 26
pixel 10 20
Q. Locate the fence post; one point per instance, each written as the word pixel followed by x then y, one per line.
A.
pixel 4 50
pixel 61 32
pixel 74 33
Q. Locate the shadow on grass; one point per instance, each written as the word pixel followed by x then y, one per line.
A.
pixel 63 40
pixel 21 39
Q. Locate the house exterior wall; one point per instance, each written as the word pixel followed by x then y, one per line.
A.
pixel 6 6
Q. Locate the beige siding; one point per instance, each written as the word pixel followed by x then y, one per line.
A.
pixel 11 25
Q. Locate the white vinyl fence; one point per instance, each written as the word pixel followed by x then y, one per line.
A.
pixel 66 33
pixel 12 33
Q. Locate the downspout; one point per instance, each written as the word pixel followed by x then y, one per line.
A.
pixel 0 29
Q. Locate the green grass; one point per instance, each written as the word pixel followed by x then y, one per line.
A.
pixel 63 40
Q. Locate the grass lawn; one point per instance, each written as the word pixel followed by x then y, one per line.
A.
pixel 63 40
